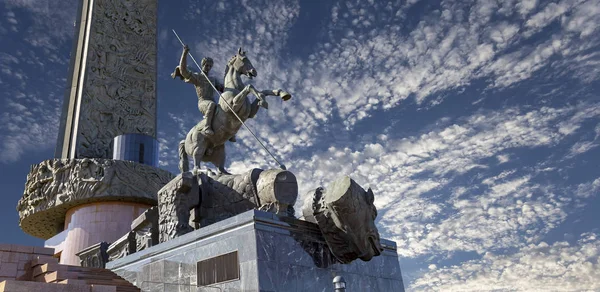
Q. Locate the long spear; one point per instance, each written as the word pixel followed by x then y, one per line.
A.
pixel 229 106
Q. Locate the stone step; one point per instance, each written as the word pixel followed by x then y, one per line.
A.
pixel 40 260
pixel 74 275
pixel 88 270
pixel 45 268
pixel 53 277
pixel 25 286
pixel 72 281
pixel 121 285
pixel 52 267
pixel 128 289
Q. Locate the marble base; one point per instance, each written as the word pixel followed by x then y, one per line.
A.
pixel 275 254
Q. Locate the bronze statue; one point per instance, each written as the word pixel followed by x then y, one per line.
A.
pixel 233 109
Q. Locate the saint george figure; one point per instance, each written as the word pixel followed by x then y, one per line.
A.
pixel 205 92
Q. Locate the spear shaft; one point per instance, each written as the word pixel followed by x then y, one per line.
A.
pixel 229 106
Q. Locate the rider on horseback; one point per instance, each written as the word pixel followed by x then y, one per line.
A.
pixel 204 90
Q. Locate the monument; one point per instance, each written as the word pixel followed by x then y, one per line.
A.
pixel 105 170
pixel 213 230
pixel 103 204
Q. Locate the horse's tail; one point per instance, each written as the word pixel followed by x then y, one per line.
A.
pixel 184 165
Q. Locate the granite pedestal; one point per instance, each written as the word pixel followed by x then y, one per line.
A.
pixel 274 254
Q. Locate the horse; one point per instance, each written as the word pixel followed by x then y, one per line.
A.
pixel 234 101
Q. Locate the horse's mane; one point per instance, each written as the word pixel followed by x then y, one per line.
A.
pixel 229 63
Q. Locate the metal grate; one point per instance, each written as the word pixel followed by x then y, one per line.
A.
pixel 219 269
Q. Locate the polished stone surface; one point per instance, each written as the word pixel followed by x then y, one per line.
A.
pixel 92 223
pixel 139 148
pixel 275 254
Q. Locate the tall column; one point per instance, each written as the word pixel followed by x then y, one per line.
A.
pixel 112 83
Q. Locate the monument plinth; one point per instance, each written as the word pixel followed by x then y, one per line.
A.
pixel 255 251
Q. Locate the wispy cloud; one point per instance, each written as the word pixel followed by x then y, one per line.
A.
pixel 502 211
pixel 536 267
pixel 33 61
pixel 29 124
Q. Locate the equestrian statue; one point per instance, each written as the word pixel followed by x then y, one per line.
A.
pixel 206 140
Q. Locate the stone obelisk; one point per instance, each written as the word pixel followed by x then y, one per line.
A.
pixel 104 173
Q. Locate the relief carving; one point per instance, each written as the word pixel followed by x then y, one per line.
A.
pixel 58 184
pixel 207 198
pixel 346 216
pixel 119 94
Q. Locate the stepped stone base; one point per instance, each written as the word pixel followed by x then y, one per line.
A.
pixel 13 259
pixel 29 269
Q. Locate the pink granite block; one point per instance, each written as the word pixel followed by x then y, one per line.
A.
pixel 25 256
pixel 22 248
pixel 8 270
pixel 9 257
pixel 43 250
pixel 21 264
pixel 5 247
pixel 41 259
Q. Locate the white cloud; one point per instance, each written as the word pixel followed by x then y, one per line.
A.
pixel 33 75
pixel 505 210
pixel 52 21
pixel 589 189
pixel 581 147
pixel 356 76
pixel 30 126
pixel 503 158
pixel 559 266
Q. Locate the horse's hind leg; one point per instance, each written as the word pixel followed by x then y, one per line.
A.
pixel 218 159
pixel 184 164
pixel 197 154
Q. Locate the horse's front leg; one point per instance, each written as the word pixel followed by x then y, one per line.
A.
pixel 240 98
pixel 260 96
pixel 254 106
pixel 277 92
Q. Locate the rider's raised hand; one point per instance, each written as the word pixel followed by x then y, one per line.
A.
pixel 186 48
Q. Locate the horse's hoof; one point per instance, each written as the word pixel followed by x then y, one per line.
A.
pixel 264 104
pixel 223 172
pixel 284 95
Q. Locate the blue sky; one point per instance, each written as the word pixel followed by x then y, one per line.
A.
pixel 476 123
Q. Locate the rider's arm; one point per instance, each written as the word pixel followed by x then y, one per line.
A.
pixel 220 87
pixel 183 63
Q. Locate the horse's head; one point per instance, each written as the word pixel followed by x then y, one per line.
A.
pixel 242 64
